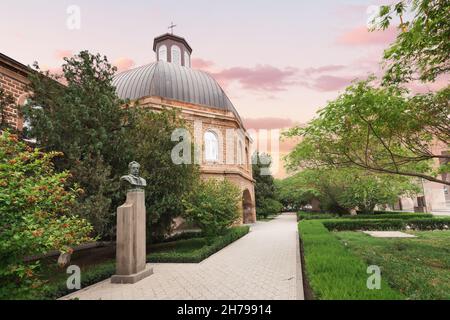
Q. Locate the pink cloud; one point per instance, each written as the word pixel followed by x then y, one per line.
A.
pixel 268 123
pixel 124 64
pixel 198 63
pixel 328 68
pixel 61 54
pixel 331 83
pixel 259 78
pixel 362 36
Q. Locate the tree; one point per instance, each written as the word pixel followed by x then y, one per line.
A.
pixel 380 129
pixel 345 189
pixel 85 120
pixel 35 214
pixel 422 50
pixel 213 205
pixel 293 197
pixel 167 182
pixel 264 185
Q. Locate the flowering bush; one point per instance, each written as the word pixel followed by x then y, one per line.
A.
pixel 213 205
pixel 35 214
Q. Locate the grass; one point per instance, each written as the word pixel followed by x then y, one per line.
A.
pixel 192 250
pixel 334 272
pixel 419 268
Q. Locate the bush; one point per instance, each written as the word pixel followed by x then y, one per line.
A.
pixel 388 215
pixel 35 214
pixel 334 272
pixel 269 207
pixel 213 205
pixel 388 224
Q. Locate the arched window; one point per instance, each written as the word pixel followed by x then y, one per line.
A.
pixel 211 146
pixel 176 55
pixel 162 53
pixel 187 59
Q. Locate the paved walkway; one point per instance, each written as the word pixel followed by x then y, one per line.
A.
pixel 264 264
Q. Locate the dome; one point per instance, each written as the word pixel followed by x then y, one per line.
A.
pixel 171 81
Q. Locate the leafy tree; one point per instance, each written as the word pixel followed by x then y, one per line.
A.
pixel 380 129
pixel 167 182
pixel 6 100
pixel 345 189
pixel 264 182
pixel 85 120
pixel 292 197
pixel 422 49
pixel 213 205
pixel 35 214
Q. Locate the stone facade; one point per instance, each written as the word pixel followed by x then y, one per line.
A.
pixel 228 167
pixel 13 79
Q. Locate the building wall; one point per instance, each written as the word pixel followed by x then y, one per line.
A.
pixel 14 83
pixel 240 174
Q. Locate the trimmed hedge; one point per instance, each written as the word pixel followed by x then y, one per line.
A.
pixel 333 272
pixel 387 224
pixel 403 216
pixel 216 244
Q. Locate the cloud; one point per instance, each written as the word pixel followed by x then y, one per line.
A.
pixel 268 123
pixel 362 36
pixel 331 83
pixel 327 68
pixel 259 78
pixel 124 64
pixel 198 63
pixel 61 54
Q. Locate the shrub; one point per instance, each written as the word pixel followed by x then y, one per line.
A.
pixel 35 214
pixel 213 205
pixel 388 224
pixel 334 272
pixel 269 207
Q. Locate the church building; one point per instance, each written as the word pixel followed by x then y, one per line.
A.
pixel 170 82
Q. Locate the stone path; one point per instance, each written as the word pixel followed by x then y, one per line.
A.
pixel 265 264
pixel 389 234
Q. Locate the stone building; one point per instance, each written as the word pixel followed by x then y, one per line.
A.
pixel 170 82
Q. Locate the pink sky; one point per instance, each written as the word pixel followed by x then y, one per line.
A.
pixel 279 61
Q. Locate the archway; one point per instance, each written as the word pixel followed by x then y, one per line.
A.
pixel 247 207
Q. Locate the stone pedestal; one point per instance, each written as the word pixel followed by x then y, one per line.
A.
pixel 131 264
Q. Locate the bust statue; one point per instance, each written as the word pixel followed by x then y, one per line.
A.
pixel 133 178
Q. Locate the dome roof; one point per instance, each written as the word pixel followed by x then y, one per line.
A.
pixel 168 80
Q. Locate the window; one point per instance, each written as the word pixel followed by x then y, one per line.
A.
pixel 211 146
pixel 176 55
pixel 187 59
pixel 240 153
pixel 162 53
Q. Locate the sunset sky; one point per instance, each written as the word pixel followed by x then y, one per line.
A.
pixel 279 61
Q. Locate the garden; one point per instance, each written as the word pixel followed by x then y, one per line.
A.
pixel 337 254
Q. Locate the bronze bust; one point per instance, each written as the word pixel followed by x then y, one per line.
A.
pixel 133 178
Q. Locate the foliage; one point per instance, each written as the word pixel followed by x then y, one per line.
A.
pixel 333 272
pixel 345 189
pixel 291 195
pixel 6 100
pixel 264 185
pixel 85 120
pixel 422 49
pixel 213 205
pixel 167 182
pixel 419 268
pixel 269 207
pixel 377 129
pixel 388 224
pixel 35 214
pixel 388 215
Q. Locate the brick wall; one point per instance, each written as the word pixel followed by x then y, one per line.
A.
pixel 14 83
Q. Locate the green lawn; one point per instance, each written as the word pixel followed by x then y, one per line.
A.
pixel 419 268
